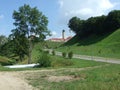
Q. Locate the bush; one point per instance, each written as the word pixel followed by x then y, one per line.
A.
pixel 70 55
pixel 53 53
pixel 44 60
pixel 64 54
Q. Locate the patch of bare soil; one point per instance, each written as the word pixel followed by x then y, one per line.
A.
pixel 59 78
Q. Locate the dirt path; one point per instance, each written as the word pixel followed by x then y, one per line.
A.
pixel 11 81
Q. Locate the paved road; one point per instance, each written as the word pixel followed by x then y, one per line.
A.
pixel 94 58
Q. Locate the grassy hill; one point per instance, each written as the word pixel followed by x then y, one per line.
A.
pixel 106 45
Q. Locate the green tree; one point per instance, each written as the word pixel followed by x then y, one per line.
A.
pixel 7 49
pixel 3 42
pixel 75 24
pixel 99 25
pixel 94 25
pixel 20 44
pixel 31 24
pixel 112 21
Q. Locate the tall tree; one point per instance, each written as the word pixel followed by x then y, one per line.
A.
pixel 31 24
pixel 75 24
pixel 112 21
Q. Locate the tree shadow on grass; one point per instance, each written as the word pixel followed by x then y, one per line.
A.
pixel 88 40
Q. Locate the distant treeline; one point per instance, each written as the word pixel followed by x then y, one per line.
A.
pixel 96 25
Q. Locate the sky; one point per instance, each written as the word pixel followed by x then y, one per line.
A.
pixel 59 12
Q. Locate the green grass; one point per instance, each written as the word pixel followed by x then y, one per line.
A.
pixel 53 45
pixel 58 61
pixel 104 46
pixel 101 78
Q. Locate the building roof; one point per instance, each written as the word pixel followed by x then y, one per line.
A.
pixel 60 39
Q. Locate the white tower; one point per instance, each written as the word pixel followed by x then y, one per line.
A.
pixel 63 35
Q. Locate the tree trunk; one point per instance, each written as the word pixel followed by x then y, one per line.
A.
pixel 30 52
pixel 20 58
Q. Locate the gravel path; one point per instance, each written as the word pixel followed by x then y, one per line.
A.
pixel 94 58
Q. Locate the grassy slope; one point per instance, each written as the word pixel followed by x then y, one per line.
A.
pixel 53 45
pixel 105 46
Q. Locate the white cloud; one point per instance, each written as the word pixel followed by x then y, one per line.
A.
pixel 60 3
pixel 83 8
pixel 1 16
pixel 54 33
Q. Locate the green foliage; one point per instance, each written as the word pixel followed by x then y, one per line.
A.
pixel 95 25
pixel 53 52
pixel 64 54
pixel 112 21
pixel 75 24
pixel 7 49
pixel 70 55
pixel 44 60
pixel 28 21
pixel 20 46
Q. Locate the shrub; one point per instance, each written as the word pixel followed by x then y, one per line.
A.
pixel 53 53
pixel 44 60
pixel 64 54
pixel 70 55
